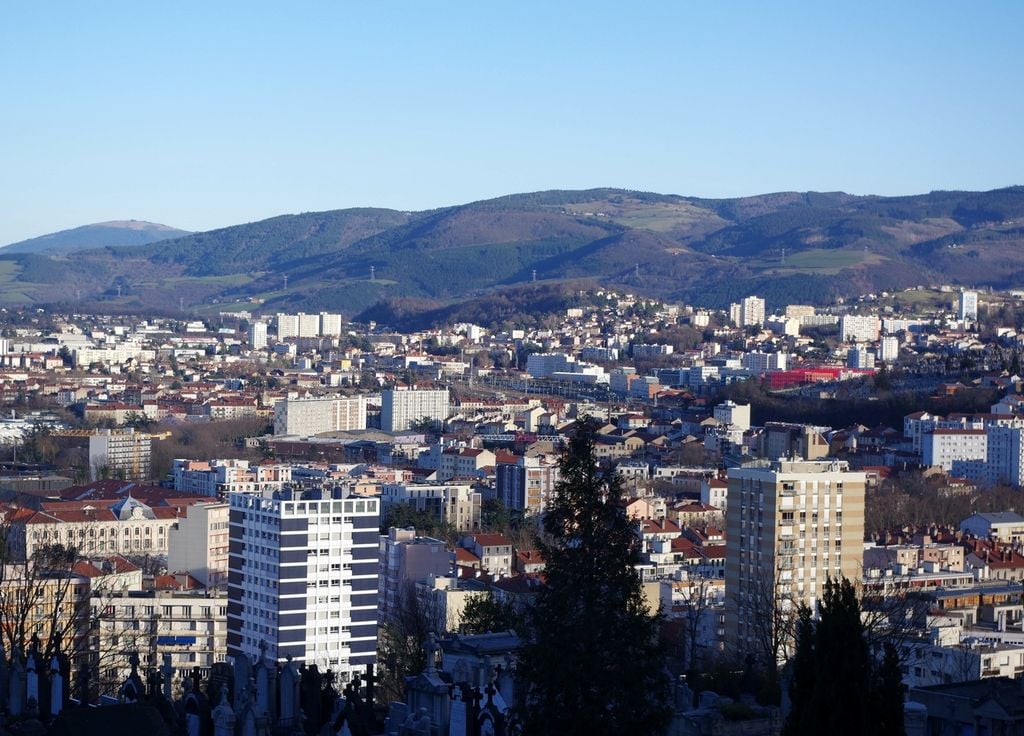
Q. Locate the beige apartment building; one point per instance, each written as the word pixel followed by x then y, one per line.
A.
pixel 189 626
pixel 791 525
pixel 198 545
pixel 120 453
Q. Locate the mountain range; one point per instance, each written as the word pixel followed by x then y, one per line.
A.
pixel 788 247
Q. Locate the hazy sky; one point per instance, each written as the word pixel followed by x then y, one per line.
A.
pixel 201 115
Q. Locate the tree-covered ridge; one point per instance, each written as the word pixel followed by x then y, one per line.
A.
pixel 788 247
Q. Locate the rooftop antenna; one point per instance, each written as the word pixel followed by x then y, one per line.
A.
pixel 119 291
pixel 286 282
pixel 535 275
pixel 373 273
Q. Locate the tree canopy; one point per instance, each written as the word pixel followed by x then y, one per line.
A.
pixel 593 663
pixel 838 685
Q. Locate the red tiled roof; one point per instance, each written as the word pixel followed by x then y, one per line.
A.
pixel 492 540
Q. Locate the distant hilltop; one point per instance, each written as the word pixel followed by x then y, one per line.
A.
pixel 101 234
pixel 806 247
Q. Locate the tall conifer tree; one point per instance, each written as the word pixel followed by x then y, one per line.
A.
pixel 593 663
pixel 838 687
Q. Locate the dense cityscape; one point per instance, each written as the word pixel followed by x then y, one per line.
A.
pixel 511 369
pixel 189 502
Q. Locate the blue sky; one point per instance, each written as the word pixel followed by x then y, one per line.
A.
pixel 201 115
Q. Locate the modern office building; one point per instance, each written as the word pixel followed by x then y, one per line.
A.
pixel 791 525
pixel 302 578
pixel 400 408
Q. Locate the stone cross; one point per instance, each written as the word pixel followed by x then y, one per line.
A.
pixel 166 674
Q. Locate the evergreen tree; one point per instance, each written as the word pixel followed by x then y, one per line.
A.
pixel 837 687
pixel 594 663
pixel 484 613
pixel 889 695
pixel 801 686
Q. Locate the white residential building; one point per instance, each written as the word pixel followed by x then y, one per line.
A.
pixel 314 415
pixel 943 447
pixel 749 311
pixel 222 477
pixel 732 414
pixel 859 328
pixel 330 324
pixel 287 326
pixel 889 349
pixel 303 578
pixel 1005 526
pixel 309 325
pixel 400 408
pixel 452 503
pixel 1004 460
pixel 189 627
pixel 642 351
pixel 257 335
pixel 860 357
pixel 542 365
pixel 968 306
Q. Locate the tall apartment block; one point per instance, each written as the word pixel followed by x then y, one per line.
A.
pixel 527 484
pixel 749 311
pixel 257 335
pixel 303 577
pixel 399 409
pixel 406 559
pixel 791 525
pixel 287 326
pixel 309 325
pixel 330 324
pixel 310 416
pixel 968 306
pixel 119 453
